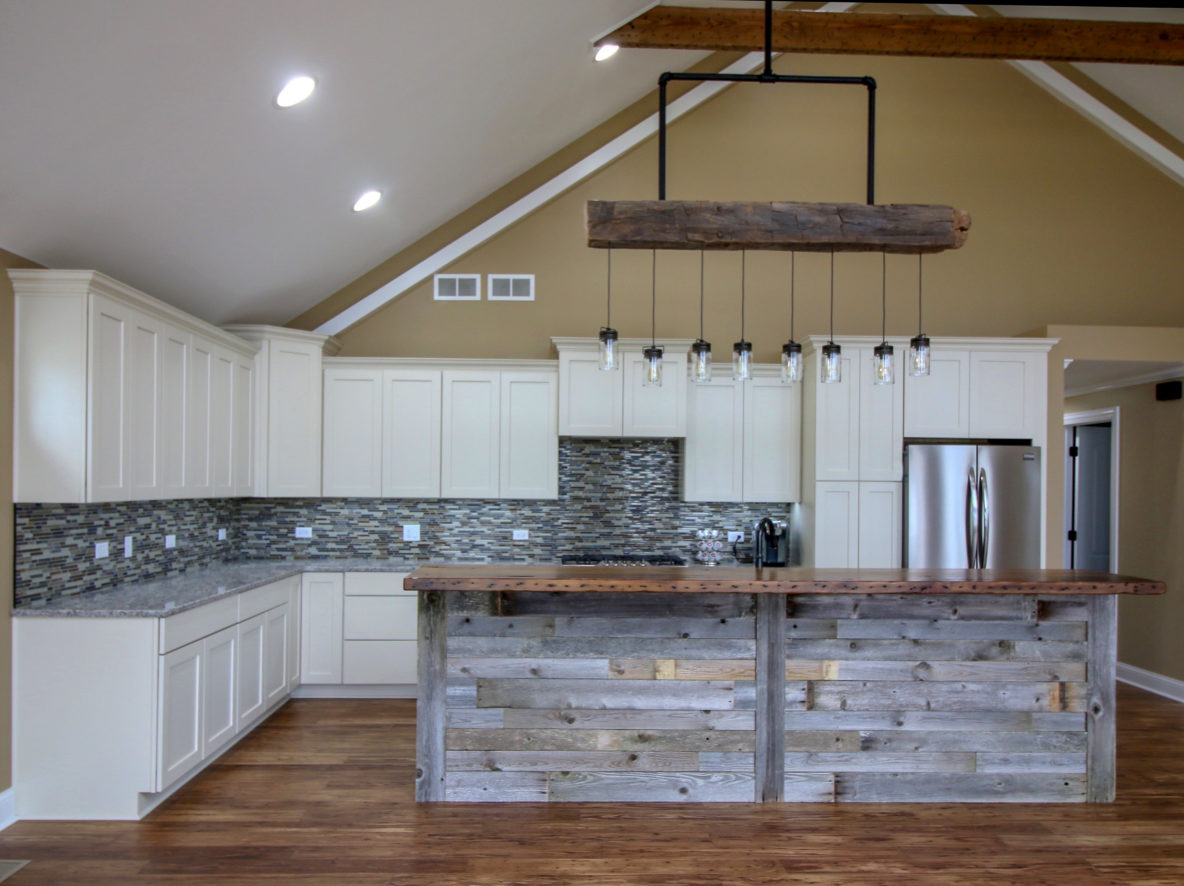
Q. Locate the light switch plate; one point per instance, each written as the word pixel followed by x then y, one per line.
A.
pixel 127 546
pixel 170 541
pixel 410 532
pixel 521 534
pixel 304 532
pixel 221 535
pixel 101 550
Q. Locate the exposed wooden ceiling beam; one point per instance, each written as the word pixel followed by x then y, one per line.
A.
pixel 938 36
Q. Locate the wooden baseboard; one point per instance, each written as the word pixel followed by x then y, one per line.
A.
pixel 1168 687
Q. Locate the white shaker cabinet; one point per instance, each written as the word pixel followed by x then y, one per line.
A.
pixel 352 433
pixel 1008 392
pixel 173 443
pixel 713 452
pixel 658 410
pixel 411 403
pixel 835 530
pixel 880 517
pixel 181 727
pixel 321 627
pixel 470 434
pixel 590 399
pixel 219 708
pixel 108 455
pixel 772 438
pixel 529 443
pixel 938 404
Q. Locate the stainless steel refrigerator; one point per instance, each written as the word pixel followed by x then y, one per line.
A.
pixel 971 506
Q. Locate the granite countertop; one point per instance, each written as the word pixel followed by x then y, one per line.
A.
pixel 168 596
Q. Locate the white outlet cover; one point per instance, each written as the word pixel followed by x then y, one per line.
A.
pixel 170 541
pixel 521 534
pixel 127 546
pixel 221 535
pixel 735 536
pixel 410 532
pixel 101 550
pixel 304 532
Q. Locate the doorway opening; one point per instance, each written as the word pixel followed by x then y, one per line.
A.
pixel 1091 490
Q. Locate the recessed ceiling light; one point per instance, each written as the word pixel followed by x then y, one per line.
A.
pixel 608 50
pixel 295 91
pixel 367 200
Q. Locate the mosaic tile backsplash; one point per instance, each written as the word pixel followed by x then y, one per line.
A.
pixel 620 496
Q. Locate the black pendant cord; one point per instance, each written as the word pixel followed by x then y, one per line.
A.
pixel 920 325
pixel 702 252
pixel 884 301
pixel 792 272
pixel 653 297
pixel 831 339
pixel 608 296
pixel 743 260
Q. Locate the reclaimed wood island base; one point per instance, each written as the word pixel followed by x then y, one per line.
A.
pixel 547 683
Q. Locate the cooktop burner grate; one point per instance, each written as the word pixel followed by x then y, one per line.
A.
pixel 614 559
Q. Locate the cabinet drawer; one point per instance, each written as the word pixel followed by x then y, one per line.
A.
pixel 257 600
pixel 380 618
pixel 362 584
pixel 379 661
pixel 193 624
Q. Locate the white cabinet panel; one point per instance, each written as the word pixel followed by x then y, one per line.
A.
pixel 380 584
pixel 470 434
pixel 772 440
pixel 143 458
pixel 881 420
pixel 275 654
pixel 294 614
pixel 660 410
pixel 590 399
pixel 107 455
pixel 380 662
pixel 836 524
pixel 173 414
pixel 321 627
pixel 242 427
pixel 411 433
pixel 837 419
pixel 180 703
pixel 529 435
pixel 221 419
pixel 199 468
pixel 294 419
pixel 1008 391
pixel 713 461
pixel 352 433
pixel 880 517
pixel 250 693
pixel 938 404
pixel 380 618
pixel 220 723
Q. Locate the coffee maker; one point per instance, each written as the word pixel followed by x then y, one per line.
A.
pixel 770 542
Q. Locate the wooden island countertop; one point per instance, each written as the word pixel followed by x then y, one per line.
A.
pixel 794 580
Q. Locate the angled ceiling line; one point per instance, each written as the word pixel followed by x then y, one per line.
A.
pixel 541 195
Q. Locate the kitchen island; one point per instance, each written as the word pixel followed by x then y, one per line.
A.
pixel 551 683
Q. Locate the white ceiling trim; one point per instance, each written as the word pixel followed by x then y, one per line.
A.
pixel 522 207
pixel 1164 159
pixel 1170 373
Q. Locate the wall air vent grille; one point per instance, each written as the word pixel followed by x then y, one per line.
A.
pixel 458 287
pixel 511 287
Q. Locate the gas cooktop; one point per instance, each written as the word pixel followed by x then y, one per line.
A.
pixel 613 559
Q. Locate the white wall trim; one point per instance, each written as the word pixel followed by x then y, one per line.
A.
pixel 326 690
pixel 1113 415
pixel 1168 687
pixel 7 808
pixel 1128 381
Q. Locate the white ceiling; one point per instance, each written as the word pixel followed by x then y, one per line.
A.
pixel 140 137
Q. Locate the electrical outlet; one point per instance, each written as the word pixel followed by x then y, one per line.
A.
pixel 101 550
pixel 410 532
pixel 127 546
pixel 521 534
pixel 304 532
pixel 170 541
pixel 221 535
pixel 735 536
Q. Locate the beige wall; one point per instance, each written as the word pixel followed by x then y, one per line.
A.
pixel 1151 522
pixel 7 260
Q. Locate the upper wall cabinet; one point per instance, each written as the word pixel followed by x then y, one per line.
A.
pixel 119 396
pixel 287 387
pixel 595 403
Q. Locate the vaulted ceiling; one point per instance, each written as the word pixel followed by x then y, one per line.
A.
pixel 140 137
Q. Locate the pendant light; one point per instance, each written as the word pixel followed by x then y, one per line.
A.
pixel 653 354
pixel 919 344
pixel 832 367
pixel 882 352
pixel 700 367
pixel 609 358
pixel 742 350
pixel 791 351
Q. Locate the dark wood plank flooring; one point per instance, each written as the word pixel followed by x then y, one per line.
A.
pixel 322 793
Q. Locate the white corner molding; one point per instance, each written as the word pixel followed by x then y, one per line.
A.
pixel 7 808
pixel 1168 687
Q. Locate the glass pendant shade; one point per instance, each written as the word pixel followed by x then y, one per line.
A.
pixel 919 355
pixel 609 356
pixel 700 368
pixel 883 362
pixel 742 360
pixel 653 366
pixel 791 362
pixel 832 365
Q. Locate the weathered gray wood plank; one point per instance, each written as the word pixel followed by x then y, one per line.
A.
pixel 597 647
pixel 430 702
pixel 947 629
pixel 886 695
pixel 618 605
pixel 1015 607
pixel 1062 609
pixel 973 671
pixel 474 718
pixel 599 740
pixel 724 721
pixel 935 721
pixel 651 787
pixel 1074 763
pixel 733 762
pixel 670 627
pixel 704 695
pixel 460 692
pixel 928 787
pixel 986 742
pixel 935 650
pixel 1100 704
pixel 500 626
pixel 572 761
pixel 770 698
pixel 809 787
pixel 875 761
pixel 529 668
pixel 496 787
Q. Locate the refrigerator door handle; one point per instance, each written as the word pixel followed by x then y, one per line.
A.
pixel 984 518
pixel 972 516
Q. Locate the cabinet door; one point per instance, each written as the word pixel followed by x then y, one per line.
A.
pixel 199 468
pixel 836 524
pixel 837 420
pixel 352 445
pixel 589 398
pixel 470 434
pixel 380 618
pixel 221 423
pixel 320 627
pixel 772 440
pixel 143 430
pixel 938 404
pixel 713 462
pixel 293 653
pixel 180 705
pixel 529 435
pixel 1007 394
pixel 411 433
pixel 242 426
pixel 379 662
pixel 219 714
pixel 880 519
pixel 659 411
pixel 275 654
pixel 173 412
pixel 294 382
pixel 251 696
pixel 107 413
pixel 881 421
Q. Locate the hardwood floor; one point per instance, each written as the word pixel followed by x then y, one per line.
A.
pixel 322 793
